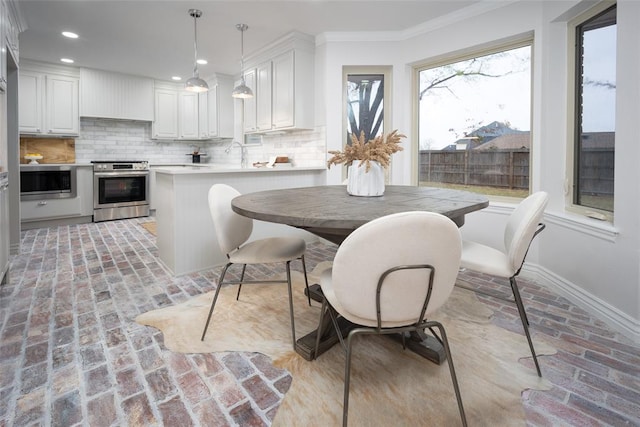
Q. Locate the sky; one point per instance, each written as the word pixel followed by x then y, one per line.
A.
pixel 467 103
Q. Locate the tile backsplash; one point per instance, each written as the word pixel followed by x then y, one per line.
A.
pixel 107 139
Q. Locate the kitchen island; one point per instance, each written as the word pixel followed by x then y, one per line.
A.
pixel 186 238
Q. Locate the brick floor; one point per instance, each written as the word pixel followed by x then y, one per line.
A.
pixel 71 354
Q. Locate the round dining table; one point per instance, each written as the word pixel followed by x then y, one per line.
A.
pixel 331 213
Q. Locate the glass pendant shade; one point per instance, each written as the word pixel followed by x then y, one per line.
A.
pixel 195 83
pixel 242 91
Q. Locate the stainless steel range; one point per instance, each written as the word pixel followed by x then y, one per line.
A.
pixel 120 189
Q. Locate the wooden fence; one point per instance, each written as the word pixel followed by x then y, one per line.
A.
pixel 494 168
pixel 510 168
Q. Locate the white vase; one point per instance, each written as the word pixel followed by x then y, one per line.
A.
pixel 363 183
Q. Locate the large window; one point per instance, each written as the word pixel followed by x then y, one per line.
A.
pixel 474 123
pixel 595 111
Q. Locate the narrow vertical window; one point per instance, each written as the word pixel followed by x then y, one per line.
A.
pixel 595 111
pixel 365 105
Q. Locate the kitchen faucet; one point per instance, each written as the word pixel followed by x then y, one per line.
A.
pixel 243 152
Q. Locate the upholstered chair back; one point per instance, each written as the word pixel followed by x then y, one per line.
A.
pixel 409 238
pixel 521 226
pixel 232 230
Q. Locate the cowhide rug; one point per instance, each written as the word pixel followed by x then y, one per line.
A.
pixel 389 385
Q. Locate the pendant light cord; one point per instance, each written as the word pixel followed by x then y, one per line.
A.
pixel 195 45
pixel 242 28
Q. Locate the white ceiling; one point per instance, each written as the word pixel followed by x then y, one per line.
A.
pixel 155 38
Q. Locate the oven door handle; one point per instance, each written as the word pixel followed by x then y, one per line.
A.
pixel 120 174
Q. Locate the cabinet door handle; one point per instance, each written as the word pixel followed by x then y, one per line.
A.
pixel 42 203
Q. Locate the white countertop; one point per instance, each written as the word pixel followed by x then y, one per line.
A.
pixel 28 165
pixel 195 169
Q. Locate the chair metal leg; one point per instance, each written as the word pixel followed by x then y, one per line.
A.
pixel 524 320
pixel 244 268
pixel 347 377
pixel 293 325
pixel 215 298
pixel 306 279
pixel 452 371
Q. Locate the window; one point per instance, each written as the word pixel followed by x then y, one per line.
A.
pixel 365 105
pixel 595 99
pixel 366 98
pixel 474 123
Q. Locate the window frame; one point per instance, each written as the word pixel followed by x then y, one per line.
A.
pixel 493 47
pixel 573 124
pixel 386 72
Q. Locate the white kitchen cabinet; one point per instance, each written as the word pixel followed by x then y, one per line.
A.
pixel 263 97
pixel 165 123
pixel 50 208
pixel 62 114
pixel 115 96
pixel 220 108
pixel 48 103
pixel 74 208
pixel 203 115
pixel 283 91
pixel 249 104
pixel 31 92
pixel 188 115
pixel 181 115
pixel 284 86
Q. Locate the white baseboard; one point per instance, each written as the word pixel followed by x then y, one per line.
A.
pixel 619 321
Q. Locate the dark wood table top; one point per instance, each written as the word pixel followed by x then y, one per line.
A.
pixel 330 212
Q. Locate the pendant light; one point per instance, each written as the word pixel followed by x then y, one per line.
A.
pixel 195 83
pixel 242 90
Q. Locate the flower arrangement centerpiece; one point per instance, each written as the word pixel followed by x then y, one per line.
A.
pixel 374 155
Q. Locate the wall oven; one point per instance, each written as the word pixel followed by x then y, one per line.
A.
pixel 120 189
pixel 47 182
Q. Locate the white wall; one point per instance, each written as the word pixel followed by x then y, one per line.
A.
pixel 596 264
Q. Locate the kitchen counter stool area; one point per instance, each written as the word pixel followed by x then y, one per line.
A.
pixel 71 353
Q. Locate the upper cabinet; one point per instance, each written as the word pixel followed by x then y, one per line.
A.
pixel 183 115
pixel 189 115
pixel 283 86
pixel 220 108
pixel 115 96
pixel 48 103
pixel 165 124
pixel 249 104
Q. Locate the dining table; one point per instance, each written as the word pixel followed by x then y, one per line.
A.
pixel 331 213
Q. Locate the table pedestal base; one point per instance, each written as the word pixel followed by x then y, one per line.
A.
pixel 419 342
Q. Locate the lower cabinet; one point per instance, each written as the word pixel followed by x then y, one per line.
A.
pixel 78 209
pixel 50 208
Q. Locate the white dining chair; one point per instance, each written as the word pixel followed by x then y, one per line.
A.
pixel 389 276
pixel 233 231
pixel 523 225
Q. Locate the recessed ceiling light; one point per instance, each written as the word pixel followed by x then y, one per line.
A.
pixel 176 78
pixel 202 61
pixel 67 60
pixel 70 34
